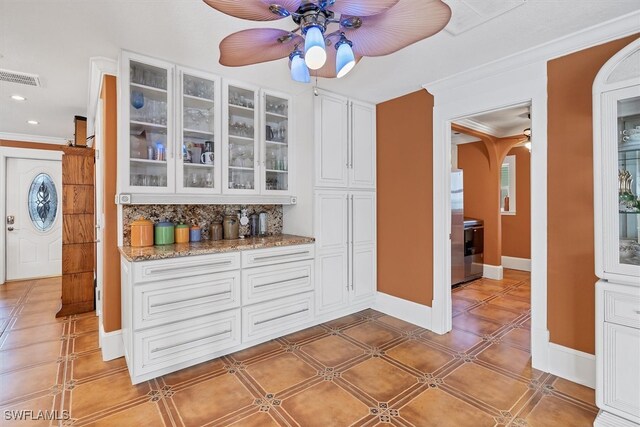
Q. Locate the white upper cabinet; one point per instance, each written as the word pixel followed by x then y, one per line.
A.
pixel 240 139
pixel 345 140
pixel 331 140
pixel 617 167
pixel 190 134
pixel 362 170
pixel 276 144
pixel 147 125
pixel 199 136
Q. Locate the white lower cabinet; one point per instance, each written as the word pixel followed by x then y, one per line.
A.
pixel 618 354
pixel 345 228
pixel 183 311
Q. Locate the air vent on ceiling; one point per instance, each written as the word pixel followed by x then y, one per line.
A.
pixel 19 78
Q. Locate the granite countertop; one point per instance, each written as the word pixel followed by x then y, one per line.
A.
pixel 206 247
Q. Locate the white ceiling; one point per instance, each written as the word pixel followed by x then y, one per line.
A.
pixel 56 38
pixel 500 123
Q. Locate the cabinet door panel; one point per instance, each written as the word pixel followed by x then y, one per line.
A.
pixel 331 289
pixel 277 145
pixel 331 120
pixel 363 205
pixel 363 146
pixel 364 273
pixel 331 225
pixel 621 369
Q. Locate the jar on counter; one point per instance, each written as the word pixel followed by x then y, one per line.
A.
pixel 216 231
pixel 164 233
pixel 231 225
pixel 254 225
pixel 195 234
pixel 182 233
pixel 141 233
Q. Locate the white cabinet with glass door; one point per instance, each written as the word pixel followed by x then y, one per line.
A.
pixel 199 139
pixel 240 141
pixel 148 124
pixel 276 148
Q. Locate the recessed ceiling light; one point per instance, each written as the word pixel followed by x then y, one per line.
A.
pixel 33 122
pixel 18 98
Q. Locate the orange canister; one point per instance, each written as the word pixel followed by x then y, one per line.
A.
pixel 141 233
pixel 182 233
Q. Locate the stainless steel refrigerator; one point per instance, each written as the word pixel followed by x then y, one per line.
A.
pixel 457 227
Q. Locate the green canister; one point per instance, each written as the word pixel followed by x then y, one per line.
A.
pixel 164 233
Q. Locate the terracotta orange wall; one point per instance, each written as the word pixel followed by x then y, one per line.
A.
pixel 111 257
pixel 516 229
pixel 570 263
pixel 481 196
pixel 405 197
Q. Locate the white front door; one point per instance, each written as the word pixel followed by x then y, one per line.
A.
pixel 33 225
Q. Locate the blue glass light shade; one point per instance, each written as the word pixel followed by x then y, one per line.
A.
pixel 299 70
pixel 314 54
pixel 345 60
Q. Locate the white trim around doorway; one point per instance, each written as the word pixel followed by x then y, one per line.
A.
pixel 17 153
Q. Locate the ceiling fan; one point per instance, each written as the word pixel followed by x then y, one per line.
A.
pixel 330 36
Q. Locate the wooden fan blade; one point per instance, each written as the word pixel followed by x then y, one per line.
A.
pixel 404 24
pixel 253 10
pixel 362 7
pixel 328 70
pixel 255 46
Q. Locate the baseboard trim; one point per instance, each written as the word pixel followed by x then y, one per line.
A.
pixel 111 344
pixel 408 311
pixel 513 263
pixel 495 272
pixel 605 419
pixel 572 365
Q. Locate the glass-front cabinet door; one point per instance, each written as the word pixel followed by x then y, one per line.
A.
pixel 148 118
pixel 621 192
pixel 240 139
pixel 198 169
pixel 276 143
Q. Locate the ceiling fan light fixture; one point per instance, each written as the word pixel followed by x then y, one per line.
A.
pixel 315 54
pixel 299 69
pixel 345 59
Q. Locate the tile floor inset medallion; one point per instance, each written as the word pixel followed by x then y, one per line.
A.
pixel 332 350
pixel 495 389
pixel 419 356
pixel 211 400
pixel 379 379
pixel 324 405
pixel 552 411
pixel 372 334
pixel 435 408
pixel 280 372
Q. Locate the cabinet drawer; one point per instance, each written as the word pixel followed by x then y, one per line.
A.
pixel 622 308
pixel 273 317
pixel 276 281
pixel 260 257
pixel 190 266
pixel 178 343
pixel 174 300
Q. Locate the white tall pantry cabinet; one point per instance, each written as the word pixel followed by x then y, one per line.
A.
pixel 345 203
pixel 616 106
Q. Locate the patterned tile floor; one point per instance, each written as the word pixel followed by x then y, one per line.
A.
pixel 365 369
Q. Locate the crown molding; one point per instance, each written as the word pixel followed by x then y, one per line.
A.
pixel 32 138
pixel 477 126
pixel 614 29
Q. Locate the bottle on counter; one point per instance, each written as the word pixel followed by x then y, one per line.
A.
pixel 195 234
pixel 231 225
pixel 263 224
pixel 254 225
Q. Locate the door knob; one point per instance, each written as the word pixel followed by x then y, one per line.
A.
pixel 11 219
pixel 10 228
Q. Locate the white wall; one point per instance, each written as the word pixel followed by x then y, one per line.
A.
pixel 298 219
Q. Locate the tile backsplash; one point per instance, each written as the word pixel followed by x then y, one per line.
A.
pixel 202 215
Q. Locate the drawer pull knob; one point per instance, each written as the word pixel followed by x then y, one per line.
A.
pixel 157 349
pixel 261 258
pixel 281 317
pixel 182 268
pixel 189 299
pixel 281 281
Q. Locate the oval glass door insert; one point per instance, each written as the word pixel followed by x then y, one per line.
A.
pixel 43 202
